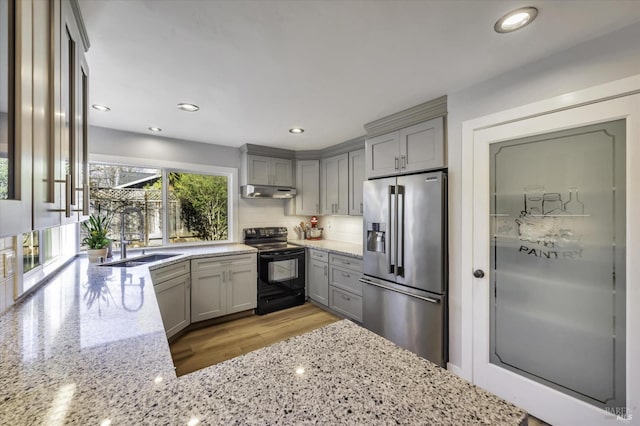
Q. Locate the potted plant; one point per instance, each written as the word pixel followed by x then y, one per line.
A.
pixel 96 240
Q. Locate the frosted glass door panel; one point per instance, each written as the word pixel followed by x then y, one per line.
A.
pixel 557 260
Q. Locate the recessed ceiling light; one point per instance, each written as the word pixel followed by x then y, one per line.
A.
pixel 188 107
pixel 296 130
pixel 516 19
pixel 155 129
pixel 101 107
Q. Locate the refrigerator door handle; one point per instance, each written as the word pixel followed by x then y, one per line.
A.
pixel 400 240
pixel 392 230
pixel 426 299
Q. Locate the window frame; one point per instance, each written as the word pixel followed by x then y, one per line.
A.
pixel 165 167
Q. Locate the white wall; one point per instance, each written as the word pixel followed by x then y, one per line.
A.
pixel 604 59
pixel 138 145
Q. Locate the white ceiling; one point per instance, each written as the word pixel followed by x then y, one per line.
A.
pixel 258 68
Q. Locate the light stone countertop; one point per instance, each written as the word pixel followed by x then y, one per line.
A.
pixel 89 346
pixel 340 247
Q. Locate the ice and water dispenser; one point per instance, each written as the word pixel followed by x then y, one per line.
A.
pixel 376 236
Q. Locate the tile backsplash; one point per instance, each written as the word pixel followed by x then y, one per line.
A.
pixel 270 212
pixel 342 228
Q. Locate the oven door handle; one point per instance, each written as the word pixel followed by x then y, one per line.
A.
pixel 287 255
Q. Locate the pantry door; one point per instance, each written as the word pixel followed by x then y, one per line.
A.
pixel 555 216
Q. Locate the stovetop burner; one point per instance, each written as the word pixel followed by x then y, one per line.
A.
pixel 268 239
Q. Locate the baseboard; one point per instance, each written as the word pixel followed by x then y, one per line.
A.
pixel 456 370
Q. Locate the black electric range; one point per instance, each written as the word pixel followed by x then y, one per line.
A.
pixel 281 269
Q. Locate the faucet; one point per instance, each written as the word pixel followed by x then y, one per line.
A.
pixel 123 242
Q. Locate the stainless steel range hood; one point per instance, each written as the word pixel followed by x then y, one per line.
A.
pixel 257 191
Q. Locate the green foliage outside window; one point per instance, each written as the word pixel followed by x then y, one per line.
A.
pixel 203 204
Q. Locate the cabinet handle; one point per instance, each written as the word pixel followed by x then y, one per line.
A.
pixel 346 297
pixel 325 270
pixel 404 161
pixel 224 273
pixel 360 207
pixel 68 191
pixel 396 163
pixel 345 275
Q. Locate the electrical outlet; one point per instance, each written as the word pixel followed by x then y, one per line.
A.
pixel 329 224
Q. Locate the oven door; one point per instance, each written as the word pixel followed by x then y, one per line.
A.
pixel 280 272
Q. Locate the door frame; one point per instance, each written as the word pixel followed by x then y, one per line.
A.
pixel 596 94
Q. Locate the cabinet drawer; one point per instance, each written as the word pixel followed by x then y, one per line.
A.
pixel 346 279
pixel 222 261
pixel 165 273
pixel 346 262
pixel 319 255
pixel 345 303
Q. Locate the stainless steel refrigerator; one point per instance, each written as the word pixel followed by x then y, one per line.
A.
pixel 405 262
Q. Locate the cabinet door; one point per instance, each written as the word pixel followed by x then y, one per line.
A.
pixel 334 185
pixel 346 303
pixel 82 148
pixel 422 146
pixel 45 212
pixel 242 288
pixel 308 187
pixel 281 172
pixel 16 117
pixel 319 281
pixel 258 170
pixel 175 302
pixel 382 155
pixel 69 77
pixel 356 179
pixel 208 292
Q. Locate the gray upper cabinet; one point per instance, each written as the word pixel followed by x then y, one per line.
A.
pixel 414 148
pixel 282 172
pixel 308 187
pixel 356 179
pixel 382 155
pixel 334 185
pixel 268 171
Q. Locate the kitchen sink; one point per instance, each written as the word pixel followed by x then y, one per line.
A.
pixel 140 260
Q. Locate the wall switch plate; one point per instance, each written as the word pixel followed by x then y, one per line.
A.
pixel 9 263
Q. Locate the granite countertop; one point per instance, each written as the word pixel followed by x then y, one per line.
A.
pixel 340 247
pixel 89 348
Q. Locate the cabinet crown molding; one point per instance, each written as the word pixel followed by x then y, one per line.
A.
pixel 331 151
pixel 408 117
pixel 267 151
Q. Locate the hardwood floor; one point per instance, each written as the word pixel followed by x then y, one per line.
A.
pixel 208 346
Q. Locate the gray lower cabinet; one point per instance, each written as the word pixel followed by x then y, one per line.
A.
pixel 172 285
pixel 318 276
pixel 414 148
pixel 345 289
pixel 223 285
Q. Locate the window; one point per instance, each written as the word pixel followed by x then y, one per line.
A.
pixel 132 194
pixel 40 247
pixel 30 250
pixel 197 204
pixel 198 207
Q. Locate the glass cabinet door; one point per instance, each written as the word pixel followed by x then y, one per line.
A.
pixel 7 85
pixel 557 290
